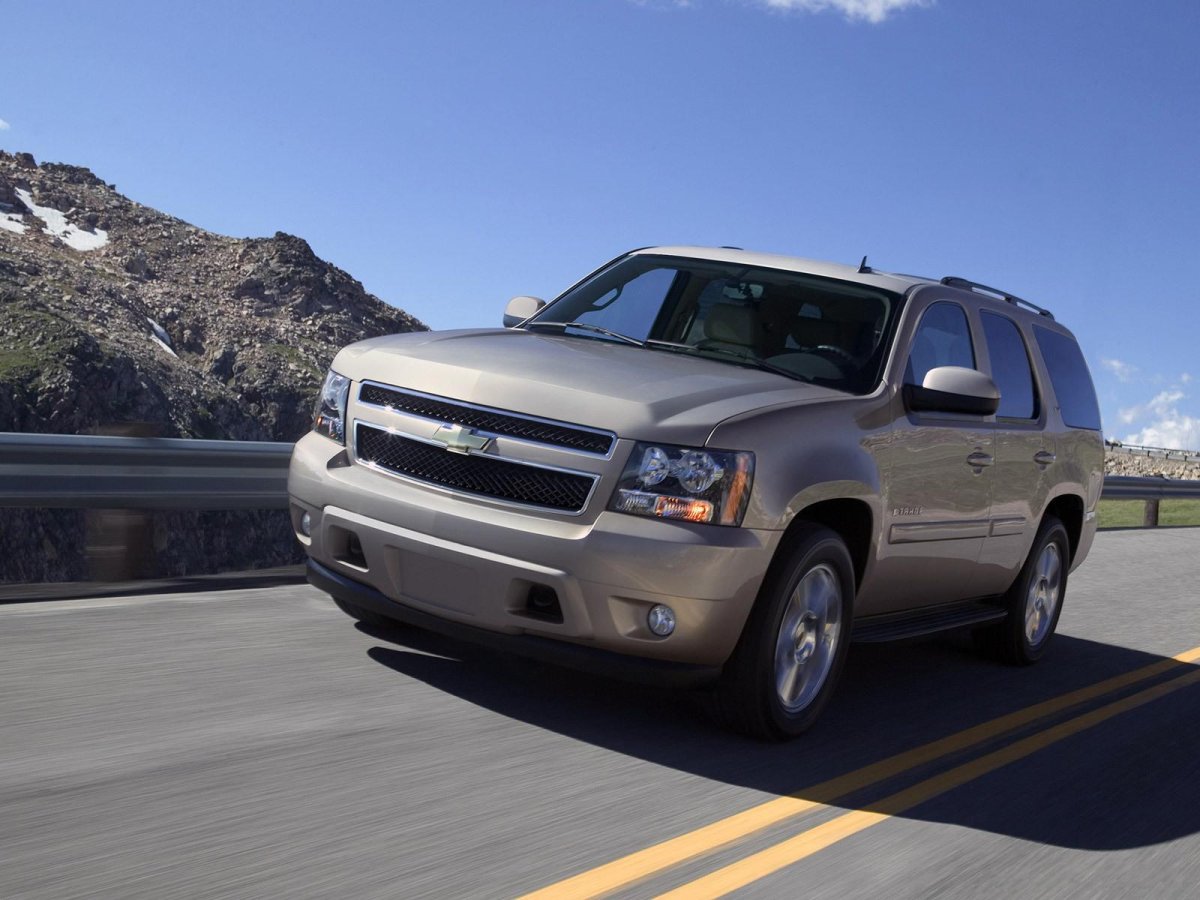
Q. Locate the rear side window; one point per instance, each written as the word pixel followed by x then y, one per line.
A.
pixel 1010 367
pixel 942 339
pixel 1070 378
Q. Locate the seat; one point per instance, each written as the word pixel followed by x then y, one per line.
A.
pixel 729 327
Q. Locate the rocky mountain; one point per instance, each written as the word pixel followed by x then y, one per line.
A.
pixel 118 318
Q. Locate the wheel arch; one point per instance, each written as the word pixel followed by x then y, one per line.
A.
pixel 851 518
pixel 1068 509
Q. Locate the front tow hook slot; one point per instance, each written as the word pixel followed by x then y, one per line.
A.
pixel 542 603
pixel 347 548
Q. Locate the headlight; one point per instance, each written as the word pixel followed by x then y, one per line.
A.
pixel 330 416
pixel 695 485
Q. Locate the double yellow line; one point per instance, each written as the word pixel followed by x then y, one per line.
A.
pixel 661 857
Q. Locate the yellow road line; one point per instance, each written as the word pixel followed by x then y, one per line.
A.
pixel 781 855
pixel 659 857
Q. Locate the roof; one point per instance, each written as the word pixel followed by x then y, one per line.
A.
pixel 889 281
pixel 885 280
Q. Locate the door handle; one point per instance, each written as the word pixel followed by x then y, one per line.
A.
pixel 979 459
pixel 1044 457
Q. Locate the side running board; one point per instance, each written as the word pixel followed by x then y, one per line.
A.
pixel 897 626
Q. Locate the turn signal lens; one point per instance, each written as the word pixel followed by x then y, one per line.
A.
pixel 679 508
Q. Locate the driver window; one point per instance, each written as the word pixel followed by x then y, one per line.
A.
pixel 942 339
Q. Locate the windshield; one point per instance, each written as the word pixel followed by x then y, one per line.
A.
pixel 819 330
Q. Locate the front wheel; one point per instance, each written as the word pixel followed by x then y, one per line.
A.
pixel 791 653
pixel 1034 601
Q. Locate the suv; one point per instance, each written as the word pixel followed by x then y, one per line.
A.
pixel 712 467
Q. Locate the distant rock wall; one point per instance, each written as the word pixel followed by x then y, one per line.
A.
pixel 1122 462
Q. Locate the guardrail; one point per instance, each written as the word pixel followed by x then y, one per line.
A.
pixel 94 472
pixel 97 472
pixel 1122 487
pixel 1152 490
pixel 1153 452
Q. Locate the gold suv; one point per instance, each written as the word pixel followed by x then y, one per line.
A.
pixel 714 468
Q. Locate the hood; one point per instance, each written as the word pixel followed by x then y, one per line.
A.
pixel 638 393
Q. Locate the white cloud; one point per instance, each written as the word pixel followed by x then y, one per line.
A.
pixel 1185 378
pixel 4 126
pixel 1172 428
pixel 1123 370
pixel 1165 400
pixel 873 11
pixel 1160 405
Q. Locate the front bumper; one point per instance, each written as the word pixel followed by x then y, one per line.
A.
pixel 469 567
pixel 574 656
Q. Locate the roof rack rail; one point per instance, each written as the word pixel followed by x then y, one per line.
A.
pixel 967 284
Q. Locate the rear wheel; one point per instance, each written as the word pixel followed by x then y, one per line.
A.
pixel 1034 601
pixel 791 653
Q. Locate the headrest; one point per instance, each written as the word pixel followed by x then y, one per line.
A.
pixel 730 324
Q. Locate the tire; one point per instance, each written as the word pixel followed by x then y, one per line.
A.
pixel 1034 602
pixel 792 651
pixel 365 615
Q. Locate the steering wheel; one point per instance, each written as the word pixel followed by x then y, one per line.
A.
pixel 837 353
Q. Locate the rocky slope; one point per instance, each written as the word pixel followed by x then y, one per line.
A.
pixel 116 316
pixel 1122 462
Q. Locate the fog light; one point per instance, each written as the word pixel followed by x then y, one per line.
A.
pixel 306 524
pixel 661 619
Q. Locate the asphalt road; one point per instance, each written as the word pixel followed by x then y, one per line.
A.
pixel 257 743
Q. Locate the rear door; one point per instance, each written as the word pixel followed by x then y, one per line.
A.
pixel 1019 484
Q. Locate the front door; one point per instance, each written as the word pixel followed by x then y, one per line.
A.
pixel 937 495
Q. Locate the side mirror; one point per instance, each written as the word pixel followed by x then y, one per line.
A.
pixel 954 389
pixel 521 308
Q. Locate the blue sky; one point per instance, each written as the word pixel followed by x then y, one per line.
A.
pixel 452 153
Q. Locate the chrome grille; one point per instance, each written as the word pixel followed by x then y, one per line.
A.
pixel 475 474
pixel 493 421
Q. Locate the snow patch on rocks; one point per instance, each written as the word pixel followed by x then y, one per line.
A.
pixel 56 223
pixel 12 222
pixel 159 336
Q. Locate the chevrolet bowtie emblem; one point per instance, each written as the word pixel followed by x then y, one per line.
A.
pixel 460 439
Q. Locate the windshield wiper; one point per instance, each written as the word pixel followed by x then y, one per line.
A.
pixel 587 326
pixel 733 356
pixel 676 347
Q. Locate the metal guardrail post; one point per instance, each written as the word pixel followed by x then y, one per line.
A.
pixel 1150 515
